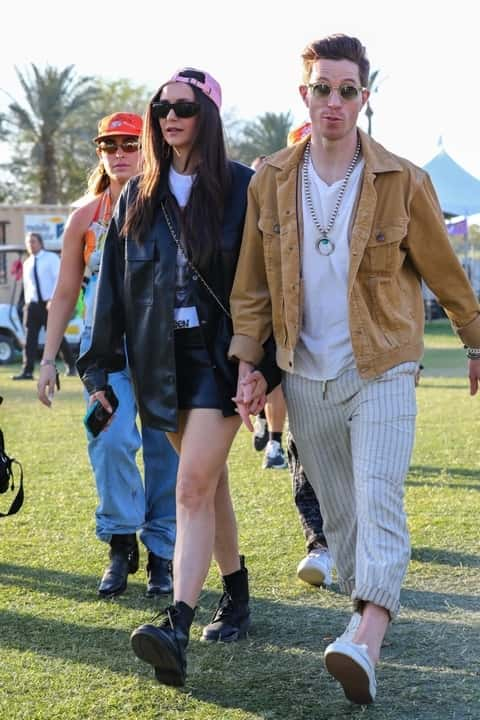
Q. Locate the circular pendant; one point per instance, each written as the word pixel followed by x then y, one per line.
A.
pixel 324 246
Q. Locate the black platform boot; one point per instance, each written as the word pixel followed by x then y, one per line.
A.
pixel 164 645
pixel 231 620
pixel 123 561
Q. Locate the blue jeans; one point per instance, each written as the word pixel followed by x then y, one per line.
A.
pixel 125 503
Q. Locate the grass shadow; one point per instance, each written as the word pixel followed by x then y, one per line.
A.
pixel 72 586
pixel 438 556
pixel 423 471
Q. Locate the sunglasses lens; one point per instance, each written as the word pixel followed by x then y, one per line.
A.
pixel 160 109
pixel 186 109
pixel 348 92
pixel 108 148
pixel 322 90
pixel 130 146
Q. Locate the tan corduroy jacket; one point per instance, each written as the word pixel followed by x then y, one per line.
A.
pixel 397 237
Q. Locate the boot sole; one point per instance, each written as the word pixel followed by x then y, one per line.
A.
pixel 214 637
pixel 160 653
pixel 158 593
pixel 107 594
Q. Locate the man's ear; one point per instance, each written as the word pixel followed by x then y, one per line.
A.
pixel 303 90
pixel 365 96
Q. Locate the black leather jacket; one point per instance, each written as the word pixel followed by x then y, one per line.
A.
pixel 135 302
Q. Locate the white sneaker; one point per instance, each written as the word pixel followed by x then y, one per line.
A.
pixel 351 628
pixel 316 568
pixel 274 456
pixel 351 665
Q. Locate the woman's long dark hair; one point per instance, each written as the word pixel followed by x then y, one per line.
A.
pixel 202 217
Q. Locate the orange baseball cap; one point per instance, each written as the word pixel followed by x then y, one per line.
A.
pixel 119 124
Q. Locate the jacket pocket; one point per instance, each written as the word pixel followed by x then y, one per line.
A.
pixel 389 308
pixel 384 253
pixel 270 228
pixel 140 268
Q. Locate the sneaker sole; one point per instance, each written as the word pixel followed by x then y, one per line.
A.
pixel 351 676
pixel 162 656
pixel 313 576
pixel 275 467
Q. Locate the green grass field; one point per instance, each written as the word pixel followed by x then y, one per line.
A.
pixel 65 654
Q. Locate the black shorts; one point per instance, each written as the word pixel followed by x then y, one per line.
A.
pixel 196 385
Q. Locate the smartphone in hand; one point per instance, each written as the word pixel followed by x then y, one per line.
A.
pixel 96 416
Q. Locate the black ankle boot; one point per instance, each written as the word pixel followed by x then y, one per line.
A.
pixel 231 620
pixel 123 561
pixel 159 576
pixel 164 645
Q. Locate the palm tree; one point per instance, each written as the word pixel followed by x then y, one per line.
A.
pixel 263 136
pixel 52 99
pixel 372 86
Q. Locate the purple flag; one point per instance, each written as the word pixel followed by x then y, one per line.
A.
pixel 458 228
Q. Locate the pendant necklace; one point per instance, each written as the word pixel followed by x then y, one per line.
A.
pixel 323 244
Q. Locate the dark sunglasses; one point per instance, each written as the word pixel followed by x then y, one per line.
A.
pixel 111 147
pixel 181 108
pixel 347 91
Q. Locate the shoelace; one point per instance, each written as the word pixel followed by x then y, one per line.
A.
pixel 169 612
pixel 225 607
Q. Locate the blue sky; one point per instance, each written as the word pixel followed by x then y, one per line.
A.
pixel 427 55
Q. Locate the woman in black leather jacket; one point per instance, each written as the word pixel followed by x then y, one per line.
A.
pixel 165 281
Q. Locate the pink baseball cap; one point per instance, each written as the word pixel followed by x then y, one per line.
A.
pixel 202 80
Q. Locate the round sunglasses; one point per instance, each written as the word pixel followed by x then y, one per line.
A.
pixel 181 108
pixel 323 90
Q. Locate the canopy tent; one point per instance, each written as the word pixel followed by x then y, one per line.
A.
pixel 458 191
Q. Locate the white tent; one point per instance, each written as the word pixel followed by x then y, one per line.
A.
pixel 458 191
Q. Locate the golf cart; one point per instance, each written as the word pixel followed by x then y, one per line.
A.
pixel 12 333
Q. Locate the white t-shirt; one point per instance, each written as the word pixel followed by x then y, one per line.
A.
pixel 185 313
pixel 324 349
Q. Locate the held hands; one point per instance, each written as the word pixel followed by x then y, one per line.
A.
pixel 251 392
pixel 474 375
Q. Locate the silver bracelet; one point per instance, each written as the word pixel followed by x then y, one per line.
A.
pixel 46 361
pixel 473 353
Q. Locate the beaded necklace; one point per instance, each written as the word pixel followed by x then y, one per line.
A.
pixel 323 244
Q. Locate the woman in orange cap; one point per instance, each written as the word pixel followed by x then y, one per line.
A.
pixel 125 503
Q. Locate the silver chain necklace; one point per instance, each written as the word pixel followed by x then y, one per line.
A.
pixel 323 244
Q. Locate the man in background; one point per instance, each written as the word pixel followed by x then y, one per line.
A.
pixel 40 272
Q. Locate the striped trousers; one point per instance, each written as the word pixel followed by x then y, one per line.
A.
pixel 355 439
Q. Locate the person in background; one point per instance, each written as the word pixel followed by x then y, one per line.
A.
pixel 270 421
pixel 126 504
pixel 317 566
pixel 360 229
pixel 40 273
pixel 167 270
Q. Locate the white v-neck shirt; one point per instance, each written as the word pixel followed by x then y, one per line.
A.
pixel 324 349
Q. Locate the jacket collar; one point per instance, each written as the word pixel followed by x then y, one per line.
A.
pixel 377 158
